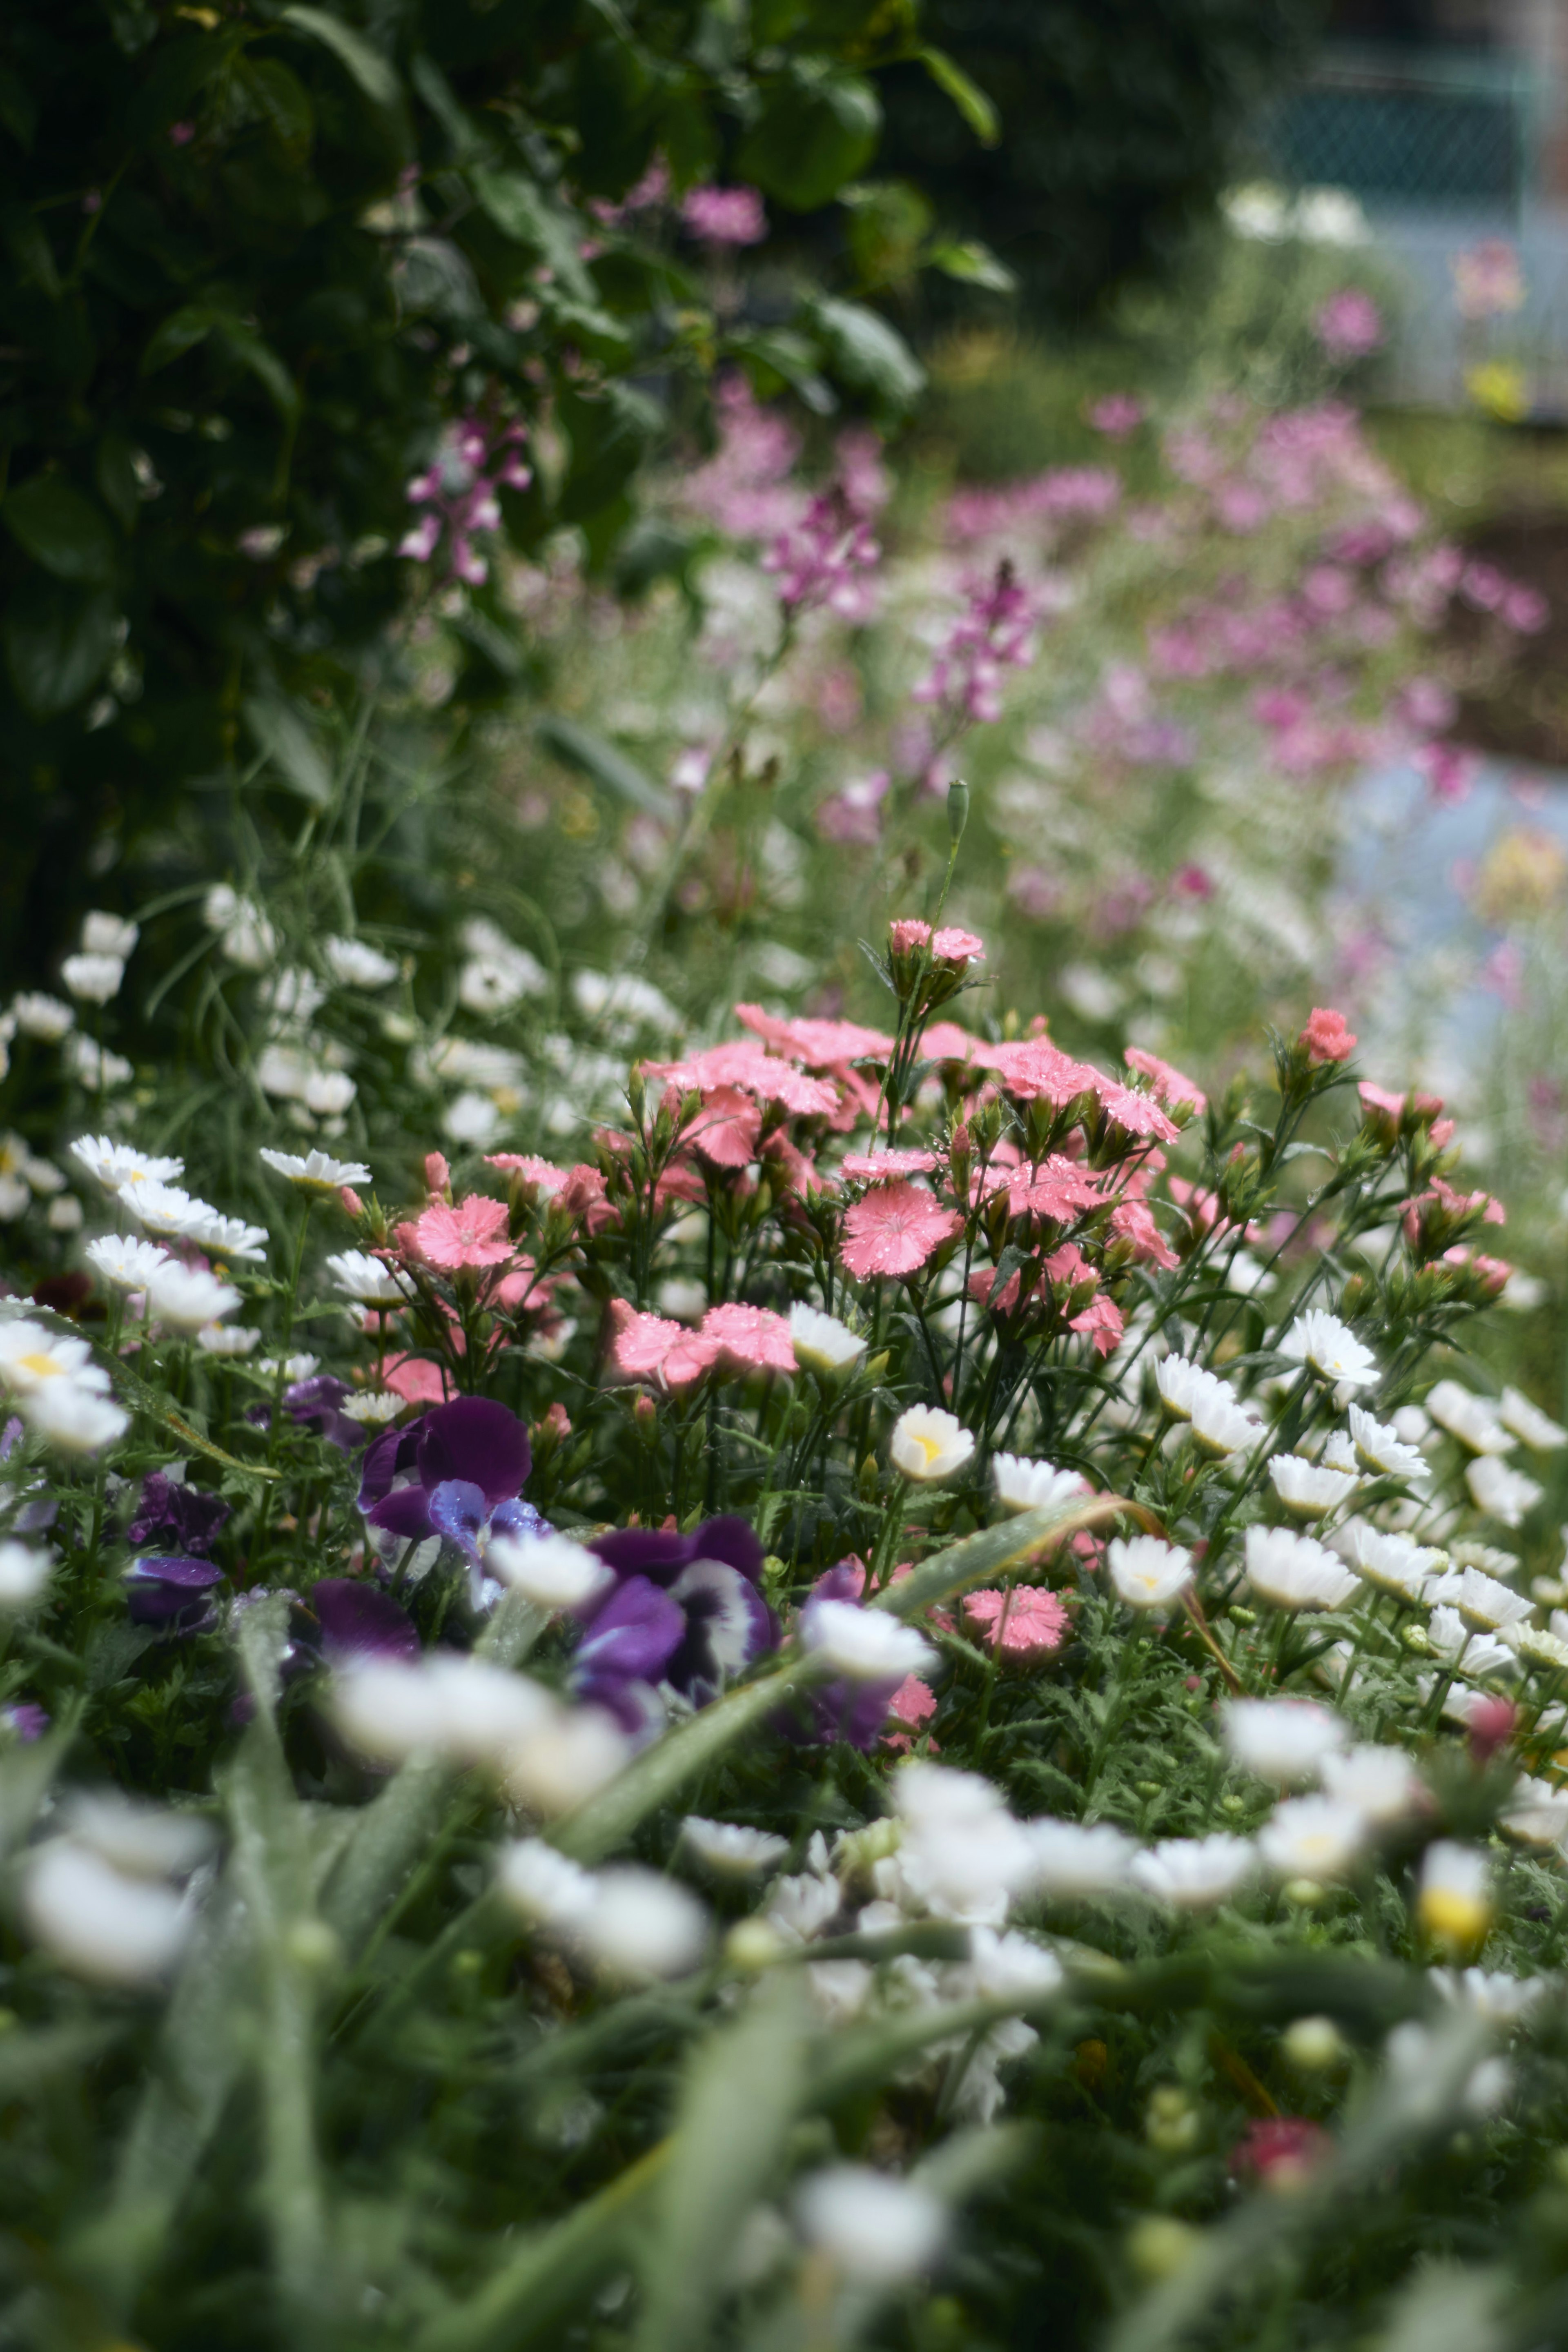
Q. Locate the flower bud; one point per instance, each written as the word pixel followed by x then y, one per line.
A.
pixel 957 809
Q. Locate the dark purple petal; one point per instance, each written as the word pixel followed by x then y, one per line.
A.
pixel 733 1542
pixel 167 1589
pixel 476 1438
pixel 165 1507
pixel 657 1553
pixel 10 1436
pixel 636 1706
pixel 517 1518
pixel 457 1509
pixel 358 1619
pixel 633 1637
pixel 405 1512
pixel 856 1712
pixel 393 1452
pixel 323 1392
pixel 844 1582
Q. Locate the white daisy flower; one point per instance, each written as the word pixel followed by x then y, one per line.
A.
pixel 1308 1490
pixel 1504 1494
pixel 1478 1656
pixel 1380 1447
pixel 356 964
pixel 873 2228
pixel 1330 1347
pixel 1312 1837
pixel 1473 1420
pixel 822 1343
pixel 1025 1485
pixel 1076 1861
pixel 24 1573
pixel 1487 1604
pixel 1281 1739
pixel 73 1418
pixel 369 1279
pixel 1195 1873
pixel 1381 1783
pixel 1179 1381
pixel 125 1264
pixel 245 936
pixel 551 1571
pixel 1527 1421
pixel 40 1017
pixel 1221 1423
pixel 93 979
pixel 186 1296
pixel 1536 1812
pixel 1390 1561
pixel 1295 1571
pixel 374 1408
pixel 1147 1574
pixel 865 1644
pixel 108 935
pixel 929 1445
pixel 733 1849
pixel 317 1172
pixel 227 1339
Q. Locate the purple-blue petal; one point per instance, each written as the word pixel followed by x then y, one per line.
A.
pixel 733 1541
pixel 191 1517
pixel 172 1568
pixel 728 1624
pixel 657 1553
pixel 358 1619
pixel 476 1438
pixel 633 1637
pixel 457 1509
pixel 168 1590
pixel 395 1451
pixel 405 1512
pixel 517 1518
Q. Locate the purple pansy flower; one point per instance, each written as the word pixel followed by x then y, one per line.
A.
pixel 454 1476
pixel 185 1514
pixel 173 1591
pixel 685 1611
pixel 360 1620
pixel 856 1712
pixel 316 1404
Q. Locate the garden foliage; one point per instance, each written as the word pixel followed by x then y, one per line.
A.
pixel 263 270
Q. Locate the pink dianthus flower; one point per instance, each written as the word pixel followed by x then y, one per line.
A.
pixel 472 1233
pixel 1024 1624
pixel 894 1230
pixel 957 946
pixel 1326 1038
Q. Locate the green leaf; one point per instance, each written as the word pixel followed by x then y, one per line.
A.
pixel 264 364
pixel 792 360
pixel 352 51
pixel 818 128
pixel 57 643
pixel 118 484
pixel 742 2091
pixel 18 109
pixel 30 251
pixel 62 529
pixel 176 334
pixel 285 103
pixel 282 734
pixel 967 259
pixel 870 355
pixel 27 1774
pixel 578 747
pixel 999 1548
pixel 521 211
pixel 970 100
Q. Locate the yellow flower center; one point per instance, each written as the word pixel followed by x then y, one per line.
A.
pixel 43 1368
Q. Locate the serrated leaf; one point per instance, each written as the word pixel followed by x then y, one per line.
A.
pixel 742 2091
pixel 352 51
pixel 62 529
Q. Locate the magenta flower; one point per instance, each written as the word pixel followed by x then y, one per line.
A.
pixel 853 814
pixel 887 1167
pixel 957 946
pixel 1118 414
pixel 1349 325
pixel 1171 1087
pixel 995 632
pixel 458 490
pixel 455 1475
pixel 725 216
pixel 894 1230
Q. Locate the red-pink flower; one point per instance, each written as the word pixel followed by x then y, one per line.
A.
pixel 542 1174
pixel 894 1230
pixel 1279 2151
pixel 908 934
pixel 1326 1038
pixel 415 1378
pixel 1027 1624
pixel 1058 1190
pixel 1133 1221
pixel 880 1167
pixel 1102 1320
pixel 1494 1272
pixel 1169 1083
pixel 957 946
pixel 748 1339
pixel 820 1044
pixel 1137 1113
pixel 1036 1070
pixel 944 1041
pixel 912 1704
pixel 650 1348
pixel 472 1233
pixel 728 1127
pixel 763 1075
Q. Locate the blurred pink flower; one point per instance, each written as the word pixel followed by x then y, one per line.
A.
pixel 1487 279
pixel 1118 414
pixel 1349 325
pixel 957 946
pixel 725 216
pixel 749 1338
pixel 1326 1038
pixel 1168 1083
pixel 854 814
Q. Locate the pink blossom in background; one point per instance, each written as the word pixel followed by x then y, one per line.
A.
pixel 1118 414
pixel 1488 281
pixel 181 134
pixel 415 1378
pixel 955 946
pixel 1035 892
pixel 854 813
pixel 473 1234
pixel 740 1064
pixel 1451 773
pixel 894 1230
pixel 1281 2151
pixel 1503 973
pixel 1426 703
pixel 1349 325
pixel 725 216
pixel 827 556
pixel 821 1045
pixel 1326 1038
pixel 907 933
pixel 913 1703
pixel 1103 1324
pixel 746 487
pixel 1027 1624
pixel 749 1338
pixel 459 494
pixel 997 630
pixel 1526 611
pixel 838 698
pixel 652 189
pixel 1192 882
pixel 886 1167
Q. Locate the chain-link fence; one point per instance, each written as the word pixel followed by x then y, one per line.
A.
pixel 1409 130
